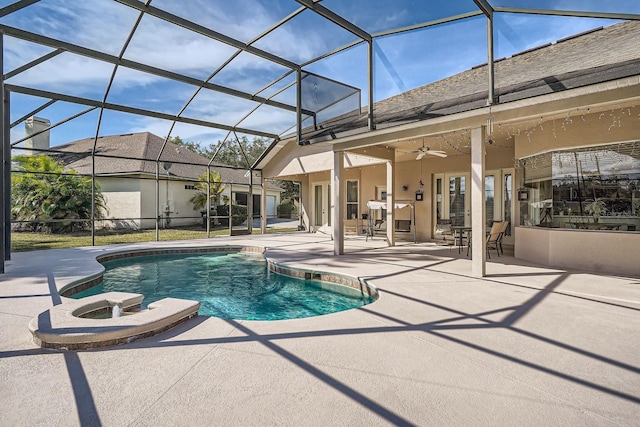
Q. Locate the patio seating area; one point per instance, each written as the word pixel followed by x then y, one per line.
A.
pixel 524 344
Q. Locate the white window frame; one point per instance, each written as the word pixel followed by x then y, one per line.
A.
pixel 346 198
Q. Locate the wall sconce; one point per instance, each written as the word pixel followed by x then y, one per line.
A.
pixel 405 188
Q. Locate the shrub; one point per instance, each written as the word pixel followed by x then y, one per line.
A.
pixel 238 212
pixel 287 209
pixel 42 191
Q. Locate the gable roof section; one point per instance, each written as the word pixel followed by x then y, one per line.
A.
pixel 136 153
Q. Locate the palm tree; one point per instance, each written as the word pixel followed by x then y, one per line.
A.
pixel 212 179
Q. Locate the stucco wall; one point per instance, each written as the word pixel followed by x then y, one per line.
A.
pixel 122 198
pixel 615 125
pixel 294 160
pixel 601 251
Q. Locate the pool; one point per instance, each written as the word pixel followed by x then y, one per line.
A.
pixel 229 285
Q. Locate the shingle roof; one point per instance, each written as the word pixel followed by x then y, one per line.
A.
pixel 141 150
pixel 593 57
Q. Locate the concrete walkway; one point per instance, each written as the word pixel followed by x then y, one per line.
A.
pixel 524 346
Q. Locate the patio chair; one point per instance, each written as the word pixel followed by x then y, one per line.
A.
pixel 505 225
pixel 443 233
pixel 493 238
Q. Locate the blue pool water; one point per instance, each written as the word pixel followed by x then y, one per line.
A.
pixel 228 285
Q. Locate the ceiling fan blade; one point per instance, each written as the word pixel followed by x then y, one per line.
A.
pixel 420 155
pixel 438 153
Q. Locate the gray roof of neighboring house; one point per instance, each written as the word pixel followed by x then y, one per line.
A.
pixel 141 150
pixel 588 58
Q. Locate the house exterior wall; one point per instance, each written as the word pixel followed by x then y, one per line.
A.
pixel 182 212
pixel 616 125
pixel 371 174
pixel 131 201
pixel 607 251
pixel 602 251
pixel 294 160
pixel 123 200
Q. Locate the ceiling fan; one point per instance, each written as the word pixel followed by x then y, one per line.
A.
pixel 423 151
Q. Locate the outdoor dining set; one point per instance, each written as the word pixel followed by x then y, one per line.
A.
pixel 460 236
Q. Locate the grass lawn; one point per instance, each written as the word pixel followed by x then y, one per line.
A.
pixel 26 241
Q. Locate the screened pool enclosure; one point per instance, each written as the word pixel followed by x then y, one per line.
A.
pixel 109 88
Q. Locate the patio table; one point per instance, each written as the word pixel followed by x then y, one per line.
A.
pixel 458 234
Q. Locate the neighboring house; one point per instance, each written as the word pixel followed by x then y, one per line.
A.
pixel 125 169
pixel 557 155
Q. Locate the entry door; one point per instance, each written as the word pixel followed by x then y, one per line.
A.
pixel 322 207
pixel 456 200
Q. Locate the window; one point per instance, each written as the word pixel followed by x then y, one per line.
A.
pixel 489 199
pixel 506 198
pixel 241 198
pixel 352 199
pixel 586 188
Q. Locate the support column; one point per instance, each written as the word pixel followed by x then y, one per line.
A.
pixel 478 237
pixel 3 146
pixel 299 105
pixel 370 82
pixel 208 204
pixel 491 99
pixel 263 205
pixel 304 206
pixel 5 181
pixel 391 214
pixel 157 201
pixel 250 204
pixel 338 200
pixel 230 209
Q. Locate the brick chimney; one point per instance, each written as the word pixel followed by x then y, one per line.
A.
pixel 32 126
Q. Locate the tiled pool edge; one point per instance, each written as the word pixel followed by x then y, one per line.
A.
pixel 313 275
pixel 326 277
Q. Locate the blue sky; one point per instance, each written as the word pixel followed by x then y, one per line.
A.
pixel 402 62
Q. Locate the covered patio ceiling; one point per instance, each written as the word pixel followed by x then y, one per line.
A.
pixel 211 71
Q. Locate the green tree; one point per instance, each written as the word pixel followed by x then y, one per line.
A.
pixel 231 151
pixel 41 190
pixel 290 189
pixel 189 145
pixel 199 200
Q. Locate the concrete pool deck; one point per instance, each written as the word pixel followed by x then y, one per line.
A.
pixel 524 346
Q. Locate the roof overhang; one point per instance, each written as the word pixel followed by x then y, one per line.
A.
pixel 620 93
